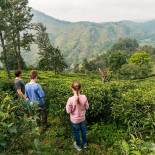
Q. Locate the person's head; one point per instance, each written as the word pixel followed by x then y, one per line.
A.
pixel 33 75
pixel 76 86
pixel 18 73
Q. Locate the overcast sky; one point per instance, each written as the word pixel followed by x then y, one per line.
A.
pixel 97 10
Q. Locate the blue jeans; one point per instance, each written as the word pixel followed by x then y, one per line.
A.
pixel 77 129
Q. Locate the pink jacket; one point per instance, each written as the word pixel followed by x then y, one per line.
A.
pixel 77 111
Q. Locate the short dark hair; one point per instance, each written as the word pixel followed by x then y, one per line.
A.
pixel 18 73
pixel 33 74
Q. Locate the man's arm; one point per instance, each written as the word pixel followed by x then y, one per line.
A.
pixel 19 90
pixel 21 94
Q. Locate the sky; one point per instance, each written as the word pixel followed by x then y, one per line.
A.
pixel 97 10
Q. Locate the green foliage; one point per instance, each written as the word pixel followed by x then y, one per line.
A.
pixel 100 61
pixel 50 57
pixel 127 44
pixel 139 66
pixel 150 50
pixel 117 110
pixel 19 132
pixel 16 22
pixel 130 71
pixel 116 60
pixel 135 109
pixel 128 103
pixel 140 58
pixel 135 146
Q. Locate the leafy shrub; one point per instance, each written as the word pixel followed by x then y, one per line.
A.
pixel 135 109
pixel 6 85
pixel 134 146
pixel 19 132
pixel 119 105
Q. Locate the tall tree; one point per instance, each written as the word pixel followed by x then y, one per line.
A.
pixel 59 62
pixel 2 39
pixel 18 18
pixel 125 44
pixel 116 60
pixel 50 58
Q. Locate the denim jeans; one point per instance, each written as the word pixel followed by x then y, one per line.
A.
pixel 79 129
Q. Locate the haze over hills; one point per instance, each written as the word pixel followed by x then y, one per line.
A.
pixel 81 40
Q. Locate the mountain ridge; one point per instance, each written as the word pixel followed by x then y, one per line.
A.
pixel 79 40
pixel 66 21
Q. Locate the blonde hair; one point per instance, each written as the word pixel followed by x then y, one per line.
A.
pixel 76 85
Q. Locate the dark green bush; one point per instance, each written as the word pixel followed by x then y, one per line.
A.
pixel 18 130
pixel 6 85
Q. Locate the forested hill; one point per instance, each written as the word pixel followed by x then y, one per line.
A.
pixel 87 39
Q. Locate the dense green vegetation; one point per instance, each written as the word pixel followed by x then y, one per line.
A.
pixel 124 60
pixel 120 119
pixel 18 33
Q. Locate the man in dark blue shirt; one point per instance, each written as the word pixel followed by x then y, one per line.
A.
pixel 35 94
pixel 19 85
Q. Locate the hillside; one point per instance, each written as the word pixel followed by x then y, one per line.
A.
pixel 87 39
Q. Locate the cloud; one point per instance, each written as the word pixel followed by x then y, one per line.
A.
pixel 97 10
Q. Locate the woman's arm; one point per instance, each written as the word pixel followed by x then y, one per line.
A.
pixel 68 107
pixel 86 104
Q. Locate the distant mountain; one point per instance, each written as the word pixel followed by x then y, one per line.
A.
pixel 81 40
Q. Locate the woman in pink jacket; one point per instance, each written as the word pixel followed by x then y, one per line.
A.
pixel 76 107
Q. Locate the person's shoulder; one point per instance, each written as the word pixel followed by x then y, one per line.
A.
pixel 70 98
pixel 37 85
pixel 27 84
pixel 84 96
pixel 17 81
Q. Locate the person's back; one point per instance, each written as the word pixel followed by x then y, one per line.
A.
pixel 76 106
pixel 34 92
pixel 77 110
pixel 19 85
pixel 35 95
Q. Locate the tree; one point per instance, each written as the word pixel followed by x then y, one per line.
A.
pixel 139 66
pixel 150 50
pixel 96 63
pixel 18 24
pixel 126 44
pixel 116 60
pixel 2 39
pixel 140 58
pixel 59 62
pixel 50 58
pixel 130 71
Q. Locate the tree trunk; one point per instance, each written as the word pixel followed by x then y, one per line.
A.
pixel 16 52
pixel 5 56
pixel 19 52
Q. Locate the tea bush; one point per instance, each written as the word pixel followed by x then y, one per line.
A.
pixel 117 110
pixel 129 104
pixel 136 109
pixel 19 132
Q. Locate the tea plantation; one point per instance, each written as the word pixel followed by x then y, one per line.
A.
pixel 120 120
